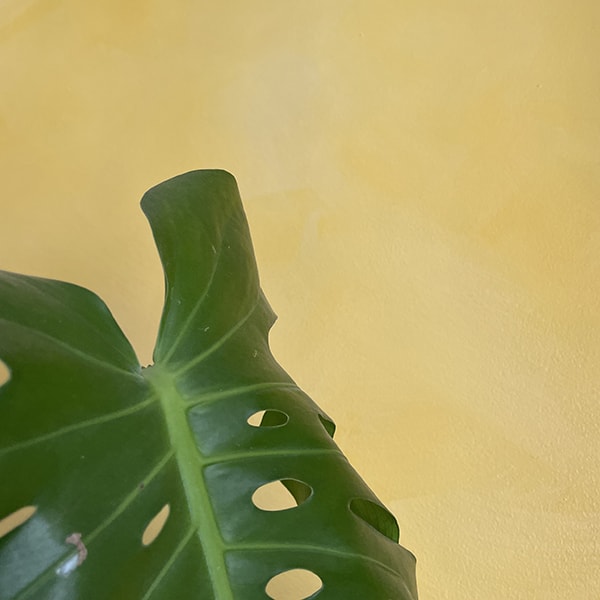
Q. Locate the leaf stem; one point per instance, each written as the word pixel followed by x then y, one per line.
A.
pixel 191 464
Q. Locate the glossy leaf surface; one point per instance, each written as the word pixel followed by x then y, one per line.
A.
pixel 101 446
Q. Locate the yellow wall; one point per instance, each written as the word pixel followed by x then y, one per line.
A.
pixel 422 181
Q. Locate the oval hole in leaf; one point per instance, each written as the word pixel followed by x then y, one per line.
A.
pixel 16 519
pixel 329 425
pixel 268 418
pixel 156 525
pixel 281 494
pixel 377 517
pixel 295 584
pixel 4 373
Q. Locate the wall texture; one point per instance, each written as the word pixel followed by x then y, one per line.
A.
pixel 422 180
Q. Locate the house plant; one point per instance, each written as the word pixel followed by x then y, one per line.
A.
pixel 94 446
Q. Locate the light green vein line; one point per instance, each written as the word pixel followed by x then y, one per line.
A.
pixel 43 577
pixel 183 329
pixel 49 289
pixel 256 387
pixel 77 426
pixel 84 355
pixel 198 359
pixel 309 548
pixel 189 461
pixel 170 562
pixel 129 498
pixel 271 453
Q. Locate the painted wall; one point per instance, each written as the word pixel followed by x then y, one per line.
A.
pixel 423 186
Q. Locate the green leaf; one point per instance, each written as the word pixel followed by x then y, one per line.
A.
pixel 99 445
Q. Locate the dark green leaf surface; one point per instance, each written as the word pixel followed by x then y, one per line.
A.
pixel 99 445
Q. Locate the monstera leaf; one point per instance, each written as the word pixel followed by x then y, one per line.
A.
pixel 94 445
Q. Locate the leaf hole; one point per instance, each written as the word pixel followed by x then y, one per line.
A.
pixel 268 418
pixel 295 584
pixel 156 525
pixel 16 519
pixel 4 373
pixel 377 517
pixel 327 424
pixel 282 494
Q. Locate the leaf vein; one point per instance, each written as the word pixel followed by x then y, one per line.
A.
pixel 197 305
pixel 220 342
pixel 42 577
pixel 78 426
pixel 130 497
pixel 255 387
pixel 73 350
pixel 49 291
pixel 156 582
pixel 269 453
pixel 316 549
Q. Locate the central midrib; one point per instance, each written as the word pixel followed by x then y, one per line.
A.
pixel 190 463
